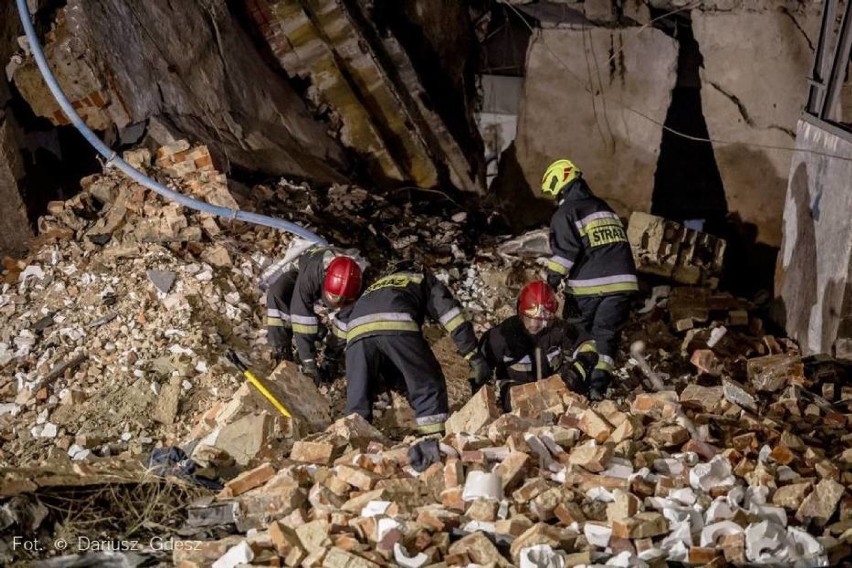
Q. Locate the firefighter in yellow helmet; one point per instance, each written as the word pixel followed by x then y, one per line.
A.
pixel 590 251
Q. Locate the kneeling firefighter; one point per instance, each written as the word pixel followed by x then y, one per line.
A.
pixel 535 344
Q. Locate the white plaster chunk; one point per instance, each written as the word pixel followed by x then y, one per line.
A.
pixel 597 535
pixel 713 474
pixel 712 533
pixel 403 559
pixel 541 556
pixel 482 485
pixel 238 554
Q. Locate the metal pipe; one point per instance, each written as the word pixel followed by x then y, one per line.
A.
pixel 130 171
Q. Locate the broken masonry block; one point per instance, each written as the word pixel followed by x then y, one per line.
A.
pixel 247 480
pixel 705 361
pixel 595 426
pixel 477 413
pixel 735 393
pixel 774 372
pixel 668 249
pixel 534 399
pixel 512 469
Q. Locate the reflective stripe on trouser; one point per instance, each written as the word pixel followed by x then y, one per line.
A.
pixel 279 335
pixel 410 356
pixel 615 284
pixel 604 317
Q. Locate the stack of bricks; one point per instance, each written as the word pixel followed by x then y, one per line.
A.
pixel 193 166
pixel 692 478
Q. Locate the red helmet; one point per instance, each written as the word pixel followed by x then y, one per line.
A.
pixel 342 282
pixel 537 301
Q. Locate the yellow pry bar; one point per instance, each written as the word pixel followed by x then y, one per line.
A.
pixel 269 396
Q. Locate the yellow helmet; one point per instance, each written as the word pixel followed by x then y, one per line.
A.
pixel 559 174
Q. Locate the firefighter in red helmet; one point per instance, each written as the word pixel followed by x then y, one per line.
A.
pixel 535 344
pixel 326 275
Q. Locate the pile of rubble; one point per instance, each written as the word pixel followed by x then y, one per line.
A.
pixel 721 444
pixel 695 478
pixel 115 328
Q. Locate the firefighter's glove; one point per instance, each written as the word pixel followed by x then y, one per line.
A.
pixel 598 386
pixel 310 370
pixel 554 280
pixel 584 364
pixel 573 380
pixel 480 373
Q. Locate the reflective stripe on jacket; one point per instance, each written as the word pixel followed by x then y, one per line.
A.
pixel 589 245
pixel 511 350
pixel 400 303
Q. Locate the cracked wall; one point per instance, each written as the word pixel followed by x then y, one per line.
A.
pixel 756 101
pixel 575 112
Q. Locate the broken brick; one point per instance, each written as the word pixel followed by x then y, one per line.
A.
pixel 477 413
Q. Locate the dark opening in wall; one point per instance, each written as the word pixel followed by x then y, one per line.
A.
pixel 55 159
pixel 687 183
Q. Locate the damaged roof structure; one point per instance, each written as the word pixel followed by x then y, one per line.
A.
pixel 401 130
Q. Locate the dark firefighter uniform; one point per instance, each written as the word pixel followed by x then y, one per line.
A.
pixel 384 339
pixel 290 303
pixel 519 357
pixel 590 249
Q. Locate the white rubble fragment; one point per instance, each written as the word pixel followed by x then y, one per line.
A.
pixel 618 467
pixel 719 510
pixel 78 453
pixel 769 513
pixel 9 408
pixel 541 556
pixel 32 271
pixel 385 525
pixel 716 335
pixel 765 541
pixel 786 473
pixel 659 294
pixel 681 534
pixel 653 554
pixel 625 559
pixel 238 554
pixel 678 553
pixel 482 485
pixel 713 474
pixel 712 533
pixel 758 495
pixel 46 430
pixel 186 385
pixel 685 495
pixel 403 559
pixel 669 466
pixel 600 494
pixel 126 437
pixel 806 550
pixel 206 275
pixel 597 535
pixel 375 508
pixel 736 496
pixel 480 526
